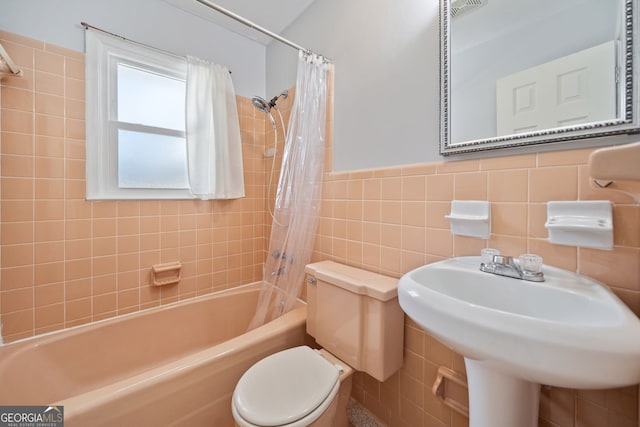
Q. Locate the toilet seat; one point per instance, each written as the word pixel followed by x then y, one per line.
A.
pixel 289 388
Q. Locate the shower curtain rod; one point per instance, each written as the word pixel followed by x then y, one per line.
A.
pixel 256 27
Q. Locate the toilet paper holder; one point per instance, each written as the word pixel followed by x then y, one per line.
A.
pixel 445 374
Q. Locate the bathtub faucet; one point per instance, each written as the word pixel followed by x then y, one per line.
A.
pixel 279 271
pixel 277 254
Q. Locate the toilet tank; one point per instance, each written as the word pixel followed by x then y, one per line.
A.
pixel 355 315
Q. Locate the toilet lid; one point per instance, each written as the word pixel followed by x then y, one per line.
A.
pixel 284 387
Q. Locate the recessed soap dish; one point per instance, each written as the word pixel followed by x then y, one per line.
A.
pixel 166 274
pixel 581 223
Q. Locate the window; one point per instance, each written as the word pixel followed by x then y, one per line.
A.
pixel 136 144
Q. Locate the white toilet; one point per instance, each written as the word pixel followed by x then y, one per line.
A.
pixel 355 316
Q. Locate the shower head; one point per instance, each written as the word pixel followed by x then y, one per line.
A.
pixel 265 106
pixel 261 104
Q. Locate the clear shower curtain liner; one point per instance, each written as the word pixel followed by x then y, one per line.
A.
pixel 297 203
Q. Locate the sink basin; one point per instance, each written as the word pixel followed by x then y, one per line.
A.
pixel 568 331
pixel 553 332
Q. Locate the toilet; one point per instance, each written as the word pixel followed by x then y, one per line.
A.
pixel 354 315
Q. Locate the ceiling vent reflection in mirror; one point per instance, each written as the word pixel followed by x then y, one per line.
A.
pixel 459 7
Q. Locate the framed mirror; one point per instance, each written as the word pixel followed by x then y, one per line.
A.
pixel 525 72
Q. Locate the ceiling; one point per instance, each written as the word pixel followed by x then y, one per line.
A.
pixel 273 15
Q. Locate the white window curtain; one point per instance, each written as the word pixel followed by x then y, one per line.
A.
pixel 214 150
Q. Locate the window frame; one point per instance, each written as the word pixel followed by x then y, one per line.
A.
pixel 104 53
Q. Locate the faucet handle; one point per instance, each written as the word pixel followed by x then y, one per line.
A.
pixel 531 263
pixel 531 267
pixel 487 254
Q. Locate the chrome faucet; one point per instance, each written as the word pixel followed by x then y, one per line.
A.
pixel 281 270
pixel 506 266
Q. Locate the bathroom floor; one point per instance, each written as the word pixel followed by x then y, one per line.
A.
pixel 360 417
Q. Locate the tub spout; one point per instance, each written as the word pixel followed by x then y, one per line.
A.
pixel 278 272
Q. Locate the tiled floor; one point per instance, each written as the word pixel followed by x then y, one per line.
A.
pixel 360 417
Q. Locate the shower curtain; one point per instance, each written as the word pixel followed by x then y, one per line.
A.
pixel 297 203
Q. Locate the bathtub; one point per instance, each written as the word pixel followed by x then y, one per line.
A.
pixel 172 365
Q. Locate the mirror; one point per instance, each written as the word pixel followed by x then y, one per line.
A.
pixel 524 72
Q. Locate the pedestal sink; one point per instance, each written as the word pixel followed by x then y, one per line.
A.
pixel 568 331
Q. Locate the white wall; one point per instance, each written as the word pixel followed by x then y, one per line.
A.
pixel 152 22
pixel 387 75
pixel 386 56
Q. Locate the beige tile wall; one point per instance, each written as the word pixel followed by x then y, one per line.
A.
pixel 392 220
pixel 66 261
